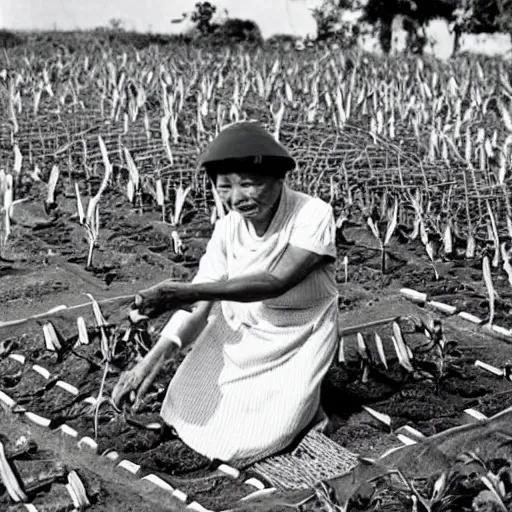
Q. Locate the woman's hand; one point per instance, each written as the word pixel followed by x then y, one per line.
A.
pixel 129 381
pixel 162 297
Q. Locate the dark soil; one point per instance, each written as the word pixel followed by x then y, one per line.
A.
pixel 135 251
pixel 43 462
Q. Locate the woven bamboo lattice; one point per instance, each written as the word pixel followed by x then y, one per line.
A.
pixel 347 157
pixel 315 459
pixel 331 160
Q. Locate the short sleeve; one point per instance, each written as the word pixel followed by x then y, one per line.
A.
pixel 314 228
pixel 213 264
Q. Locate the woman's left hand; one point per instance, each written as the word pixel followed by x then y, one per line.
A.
pixel 163 297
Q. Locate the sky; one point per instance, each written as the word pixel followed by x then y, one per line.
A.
pixel 272 16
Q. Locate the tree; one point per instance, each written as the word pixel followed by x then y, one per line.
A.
pixel 505 16
pixel 326 17
pixel 202 17
pixel 9 39
pixel 416 14
pixel 331 25
pixel 116 24
pixel 481 16
pixel 463 16
pixel 238 31
pixel 488 16
pixel 215 30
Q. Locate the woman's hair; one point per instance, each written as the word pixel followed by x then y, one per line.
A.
pixel 274 167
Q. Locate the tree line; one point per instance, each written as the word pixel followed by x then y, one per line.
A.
pixel 211 27
pixel 377 16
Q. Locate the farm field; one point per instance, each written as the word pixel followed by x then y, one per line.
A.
pixel 100 196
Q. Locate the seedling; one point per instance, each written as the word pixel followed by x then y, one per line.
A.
pixel 365 357
pixel 107 345
pixel 491 292
pixel 6 204
pixel 160 197
pixel 91 220
pixel 50 203
pixel 436 358
pixel 380 350
pixel 403 354
pixel 506 256
pixel 83 337
pixel 384 240
pixel 180 195
pixel 133 188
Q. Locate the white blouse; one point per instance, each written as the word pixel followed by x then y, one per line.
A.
pixel 252 380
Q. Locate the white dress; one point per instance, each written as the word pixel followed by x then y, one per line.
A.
pixel 251 382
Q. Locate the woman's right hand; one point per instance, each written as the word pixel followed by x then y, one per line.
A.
pixel 129 381
pixel 163 297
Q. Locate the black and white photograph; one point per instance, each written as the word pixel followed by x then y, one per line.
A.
pixel 256 256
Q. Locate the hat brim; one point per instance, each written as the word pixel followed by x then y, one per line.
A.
pixel 266 165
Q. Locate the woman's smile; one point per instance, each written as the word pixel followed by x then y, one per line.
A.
pixel 247 210
pixel 254 197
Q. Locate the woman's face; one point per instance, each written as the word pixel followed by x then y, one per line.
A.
pixel 254 197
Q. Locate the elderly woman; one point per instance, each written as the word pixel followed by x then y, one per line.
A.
pixel 264 316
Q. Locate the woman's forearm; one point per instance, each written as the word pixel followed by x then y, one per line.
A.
pixel 292 268
pixel 249 288
pixel 164 347
pixel 195 322
pixel 186 333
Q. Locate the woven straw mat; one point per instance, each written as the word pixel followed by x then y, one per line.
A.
pixel 315 459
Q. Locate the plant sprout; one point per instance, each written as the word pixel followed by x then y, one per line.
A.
pixel 91 220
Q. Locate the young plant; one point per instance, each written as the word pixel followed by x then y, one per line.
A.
pixel 380 350
pixel 506 256
pixel 180 195
pixel 160 196
pixel 133 189
pixel 435 359
pixel 364 356
pixel 402 350
pixel 419 221
pixel 494 235
pixel 491 292
pixel 50 203
pixel 441 493
pixel 91 220
pixel 383 239
pixel 6 204
pixel 177 244
pixel 108 346
pixel 448 238
pixel 420 229
pixel 488 482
